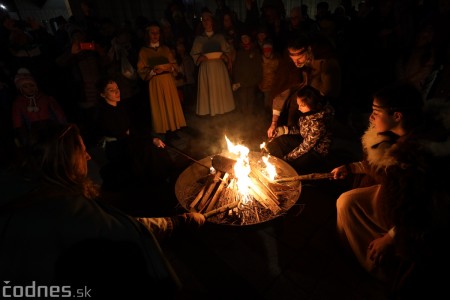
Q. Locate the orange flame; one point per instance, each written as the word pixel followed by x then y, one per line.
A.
pixel 242 168
pixel 270 168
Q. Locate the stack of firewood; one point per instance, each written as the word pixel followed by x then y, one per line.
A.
pixel 220 194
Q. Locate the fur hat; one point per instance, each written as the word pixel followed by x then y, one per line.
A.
pixel 23 76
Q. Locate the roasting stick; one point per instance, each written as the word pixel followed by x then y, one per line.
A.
pixel 312 176
pixel 187 156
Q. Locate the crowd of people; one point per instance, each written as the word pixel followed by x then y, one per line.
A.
pixel 127 88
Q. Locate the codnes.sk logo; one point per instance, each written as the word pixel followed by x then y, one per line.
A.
pixel 35 291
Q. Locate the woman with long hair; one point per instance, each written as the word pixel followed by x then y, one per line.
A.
pixel 60 218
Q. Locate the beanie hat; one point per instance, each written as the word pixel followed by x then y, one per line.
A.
pixel 23 76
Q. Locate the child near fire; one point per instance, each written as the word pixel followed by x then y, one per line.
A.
pixel 306 146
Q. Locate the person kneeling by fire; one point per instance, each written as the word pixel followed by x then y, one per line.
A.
pixel 306 146
pixel 60 214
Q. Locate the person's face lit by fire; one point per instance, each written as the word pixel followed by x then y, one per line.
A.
pixel 111 93
pixel 300 57
pixel 302 106
pixel 207 22
pixel 154 33
pixel 81 166
pixel 382 119
pixel 75 158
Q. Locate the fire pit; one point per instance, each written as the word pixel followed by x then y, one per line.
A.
pixel 216 192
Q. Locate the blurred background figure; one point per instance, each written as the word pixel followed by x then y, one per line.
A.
pixel 32 109
pixel 156 64
pixel 270 63
pixel 214 94
pixel 247 74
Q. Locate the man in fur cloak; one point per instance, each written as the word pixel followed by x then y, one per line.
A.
pixel 393 225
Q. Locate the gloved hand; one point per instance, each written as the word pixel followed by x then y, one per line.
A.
pixel 280 130
pixel 194 218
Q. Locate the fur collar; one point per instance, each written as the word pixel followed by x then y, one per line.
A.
pixel 378 149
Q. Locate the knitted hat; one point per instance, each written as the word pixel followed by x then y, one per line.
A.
pixel 23 76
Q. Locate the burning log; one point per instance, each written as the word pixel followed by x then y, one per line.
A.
pixel 221 209
pixel 312 176
pixel 218 192
pixel 206 197
pixel 209 179
pixel 277 189
pixel 224 164
pixel 263 198
pixel 264 183
pixel 259 188
pixel 197 198
pixel 258 174
pixel 217 195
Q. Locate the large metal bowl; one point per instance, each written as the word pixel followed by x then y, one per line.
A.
pixel 191 181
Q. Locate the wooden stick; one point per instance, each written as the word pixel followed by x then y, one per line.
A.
pixel 264 198
pixel 221 209
pixel 263 186
pixel 312 176
pixel 275 187
pixel 187 156
pixel 199 196
pixel 257 173
pixel 209 180
pixel 256 214
pixel 206 196
pixel 218 192
pixel 258 198
pixel 262 190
